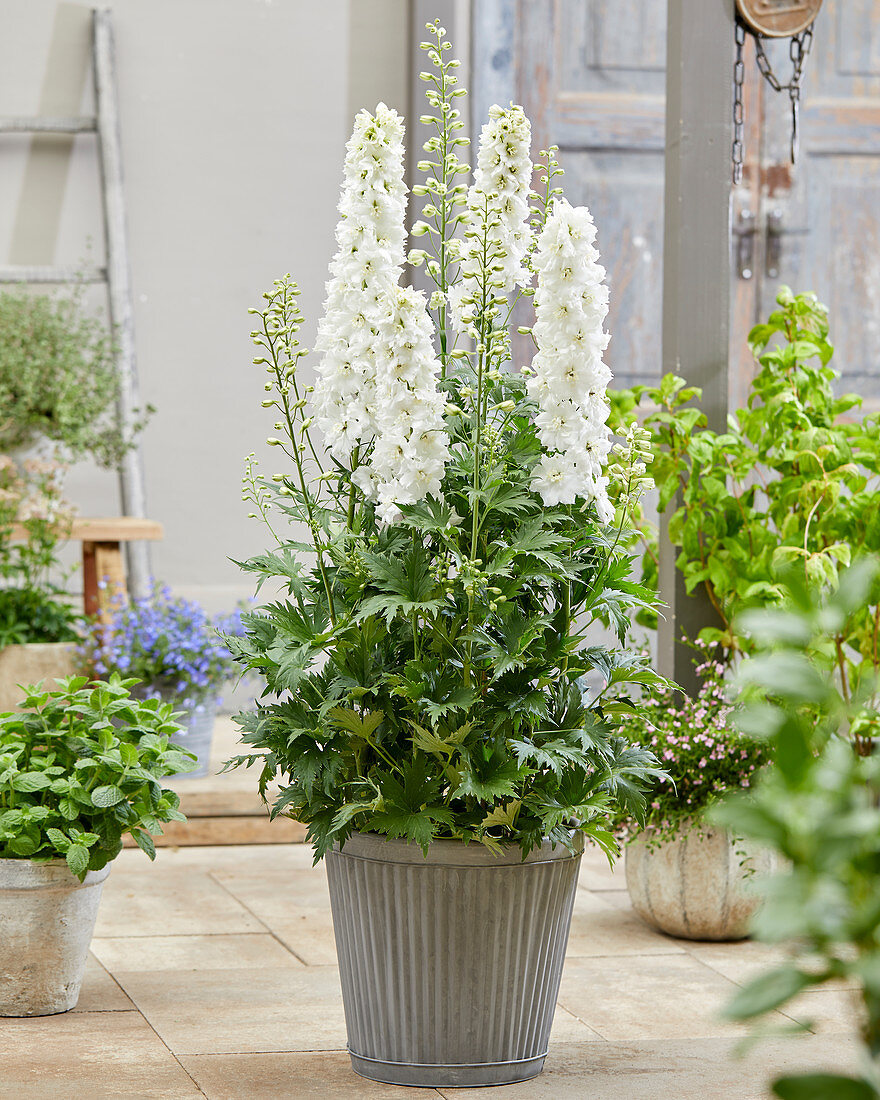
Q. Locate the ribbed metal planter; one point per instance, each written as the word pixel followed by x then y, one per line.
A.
pixel 450 966
pixel 47 917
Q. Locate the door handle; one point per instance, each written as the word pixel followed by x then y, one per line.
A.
pixel 744 234
pixel 776 230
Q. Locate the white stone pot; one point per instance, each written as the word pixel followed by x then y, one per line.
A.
pixel 47 917
pixel 699 886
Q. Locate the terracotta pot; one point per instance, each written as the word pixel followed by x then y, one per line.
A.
pixel 699 886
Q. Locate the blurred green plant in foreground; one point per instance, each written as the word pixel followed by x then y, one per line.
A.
pixel 819 807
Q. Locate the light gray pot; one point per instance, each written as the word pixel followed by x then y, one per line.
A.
pixel 47 917
pixel 450 966
pixel 698 886
pixel 197 733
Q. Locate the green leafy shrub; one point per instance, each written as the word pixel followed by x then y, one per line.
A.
pixel 819 807
pixel 80 766
pixel 58 378
pixel 794 481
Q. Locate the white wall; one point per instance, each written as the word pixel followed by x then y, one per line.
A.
pixel 234 117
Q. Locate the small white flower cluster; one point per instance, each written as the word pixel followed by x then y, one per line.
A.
pixel 378 372
pixel 410 452
pixel 502 183
pixel 568 378
pixel 371 240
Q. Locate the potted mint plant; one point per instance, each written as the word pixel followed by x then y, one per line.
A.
pixel 686 876
pixel 456 545
pixel 177 652
pixel 80 766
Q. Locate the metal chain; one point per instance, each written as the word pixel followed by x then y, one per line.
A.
pixel 738 81
pixel 799 50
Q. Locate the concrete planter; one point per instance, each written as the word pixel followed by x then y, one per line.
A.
pixel 450 966
pixel 699 886
pixel 26 664
pixel 47 917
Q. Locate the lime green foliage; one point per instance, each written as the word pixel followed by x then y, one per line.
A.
pixel 80 766
pixel 819 807
pixel 426 674
pixel 697 742
pixel 58 378
pixel 792 482
pixel 32 607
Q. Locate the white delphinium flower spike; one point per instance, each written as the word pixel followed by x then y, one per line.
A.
pixel 569 378
pixel 371 242
pixel 411 450
pixel 502 183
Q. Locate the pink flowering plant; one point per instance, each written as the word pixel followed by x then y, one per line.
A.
pixel 699 745
pixel 450 530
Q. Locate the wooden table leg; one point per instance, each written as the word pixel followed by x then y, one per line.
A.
pixel 103 578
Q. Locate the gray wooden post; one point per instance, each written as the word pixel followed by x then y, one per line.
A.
pixel 696 264
pixel 131 473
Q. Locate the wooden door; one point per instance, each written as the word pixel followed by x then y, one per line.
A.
pixel 820 221
pixel 590 74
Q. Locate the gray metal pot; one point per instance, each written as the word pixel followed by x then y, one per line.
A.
pixel 47 917
pixel 197 733
pixel 450 966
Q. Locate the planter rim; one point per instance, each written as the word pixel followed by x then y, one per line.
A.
pixel 26 874
pixel 377 848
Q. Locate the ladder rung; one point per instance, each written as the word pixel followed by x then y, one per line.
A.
pixel 53 275
pixel 59 125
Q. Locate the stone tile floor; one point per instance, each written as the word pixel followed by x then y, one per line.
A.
pixel 213 973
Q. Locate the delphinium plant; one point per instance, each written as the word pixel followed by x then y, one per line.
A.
pixel 169 643
pixel 793 482
pixel 819 808
pixel 34 520
pixel 80 765
pixel 458 534
pixel 699 745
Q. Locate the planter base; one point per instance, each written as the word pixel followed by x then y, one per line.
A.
pixel 431 1075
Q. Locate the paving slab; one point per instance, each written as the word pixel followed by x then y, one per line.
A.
pixel 89 1056
pixel 242 1011
pixel 100 991
pixel 600 928
pixel 647 997
pixel 290 1077
pixel 171 900
pixel 182 953
pixel 693 1069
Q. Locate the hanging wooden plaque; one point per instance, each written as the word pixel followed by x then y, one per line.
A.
pixel 778 18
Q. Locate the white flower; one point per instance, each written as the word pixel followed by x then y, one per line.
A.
pixel 411 448
pixel 497 208
pixel 568 378
pixel 378 373
pixel 371 241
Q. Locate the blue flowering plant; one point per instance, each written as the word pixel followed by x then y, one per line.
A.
pixel 169 643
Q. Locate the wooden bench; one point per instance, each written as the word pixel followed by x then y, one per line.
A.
pixel 102 557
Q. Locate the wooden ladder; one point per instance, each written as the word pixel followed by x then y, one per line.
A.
pixel 116 273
